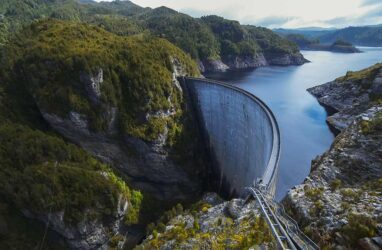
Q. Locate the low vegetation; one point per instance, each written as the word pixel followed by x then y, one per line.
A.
pixel 359 226
pixel 372 126
pixel 367 74
pixel 184 227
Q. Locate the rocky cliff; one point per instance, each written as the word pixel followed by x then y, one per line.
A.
pixel 339 204
pixel 350 95
pixel 251 62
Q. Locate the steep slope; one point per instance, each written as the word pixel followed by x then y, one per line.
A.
pixel 45 178
pixel 220 44
pixel 340 204
pixel 116 97
pixel 186 32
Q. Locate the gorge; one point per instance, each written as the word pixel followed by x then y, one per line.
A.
pixel 115 132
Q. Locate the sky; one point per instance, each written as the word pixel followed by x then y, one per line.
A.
pixel 281 13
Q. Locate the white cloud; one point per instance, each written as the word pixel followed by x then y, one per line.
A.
pixel 278 13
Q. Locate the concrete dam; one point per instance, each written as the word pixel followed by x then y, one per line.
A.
pixel 240 132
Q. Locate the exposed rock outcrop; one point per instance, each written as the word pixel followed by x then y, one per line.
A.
pixel 287 59
pixel 93 84
pixel 213 224
pixel 89 233
pixel 212 66
pixel 339 204
pixel 246 62
pixel 347 97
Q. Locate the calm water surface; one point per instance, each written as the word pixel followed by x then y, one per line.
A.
pixel 304 131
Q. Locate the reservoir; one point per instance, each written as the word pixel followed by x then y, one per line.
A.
pixel 304 131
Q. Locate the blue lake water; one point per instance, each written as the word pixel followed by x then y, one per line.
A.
pixel 304 131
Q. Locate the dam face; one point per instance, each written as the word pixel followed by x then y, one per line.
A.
pixel 240 133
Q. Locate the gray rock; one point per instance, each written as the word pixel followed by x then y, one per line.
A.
pixel 93 84
pixel 234 208
pixel 246 62
pixel 378 241
pixel 287 59
pixel 213 66
pixel 88 234
pixel 367 244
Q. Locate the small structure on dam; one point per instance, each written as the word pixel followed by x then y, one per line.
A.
pixel 241 134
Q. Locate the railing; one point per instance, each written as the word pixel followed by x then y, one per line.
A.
pixel 285 229
pixel 293 228
pixel 282 238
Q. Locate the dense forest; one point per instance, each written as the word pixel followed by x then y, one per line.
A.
pixel 206 38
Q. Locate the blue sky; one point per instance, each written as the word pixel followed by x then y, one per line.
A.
pixel 281 13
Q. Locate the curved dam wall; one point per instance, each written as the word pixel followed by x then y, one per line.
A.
pixel 240 132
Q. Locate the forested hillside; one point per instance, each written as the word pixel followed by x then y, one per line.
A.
pixel 49 70
pixel 361 36
pixel 213 41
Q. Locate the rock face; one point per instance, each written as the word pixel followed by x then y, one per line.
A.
pixel 93 84
pixel 249 62
pixel 348 97
pixel 340 202
pixel 146 165
pixel 213 66
pixel 90 233
pixel 213 224
pixel 287 59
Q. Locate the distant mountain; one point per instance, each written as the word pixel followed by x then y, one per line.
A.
pixel 339 46
pixel 86 1
pixel 370 35
pixel 309 32
pixel 361 36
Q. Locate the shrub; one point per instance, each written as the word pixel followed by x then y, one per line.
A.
pixel 359 226
pixel 335 184
pixel 314 193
